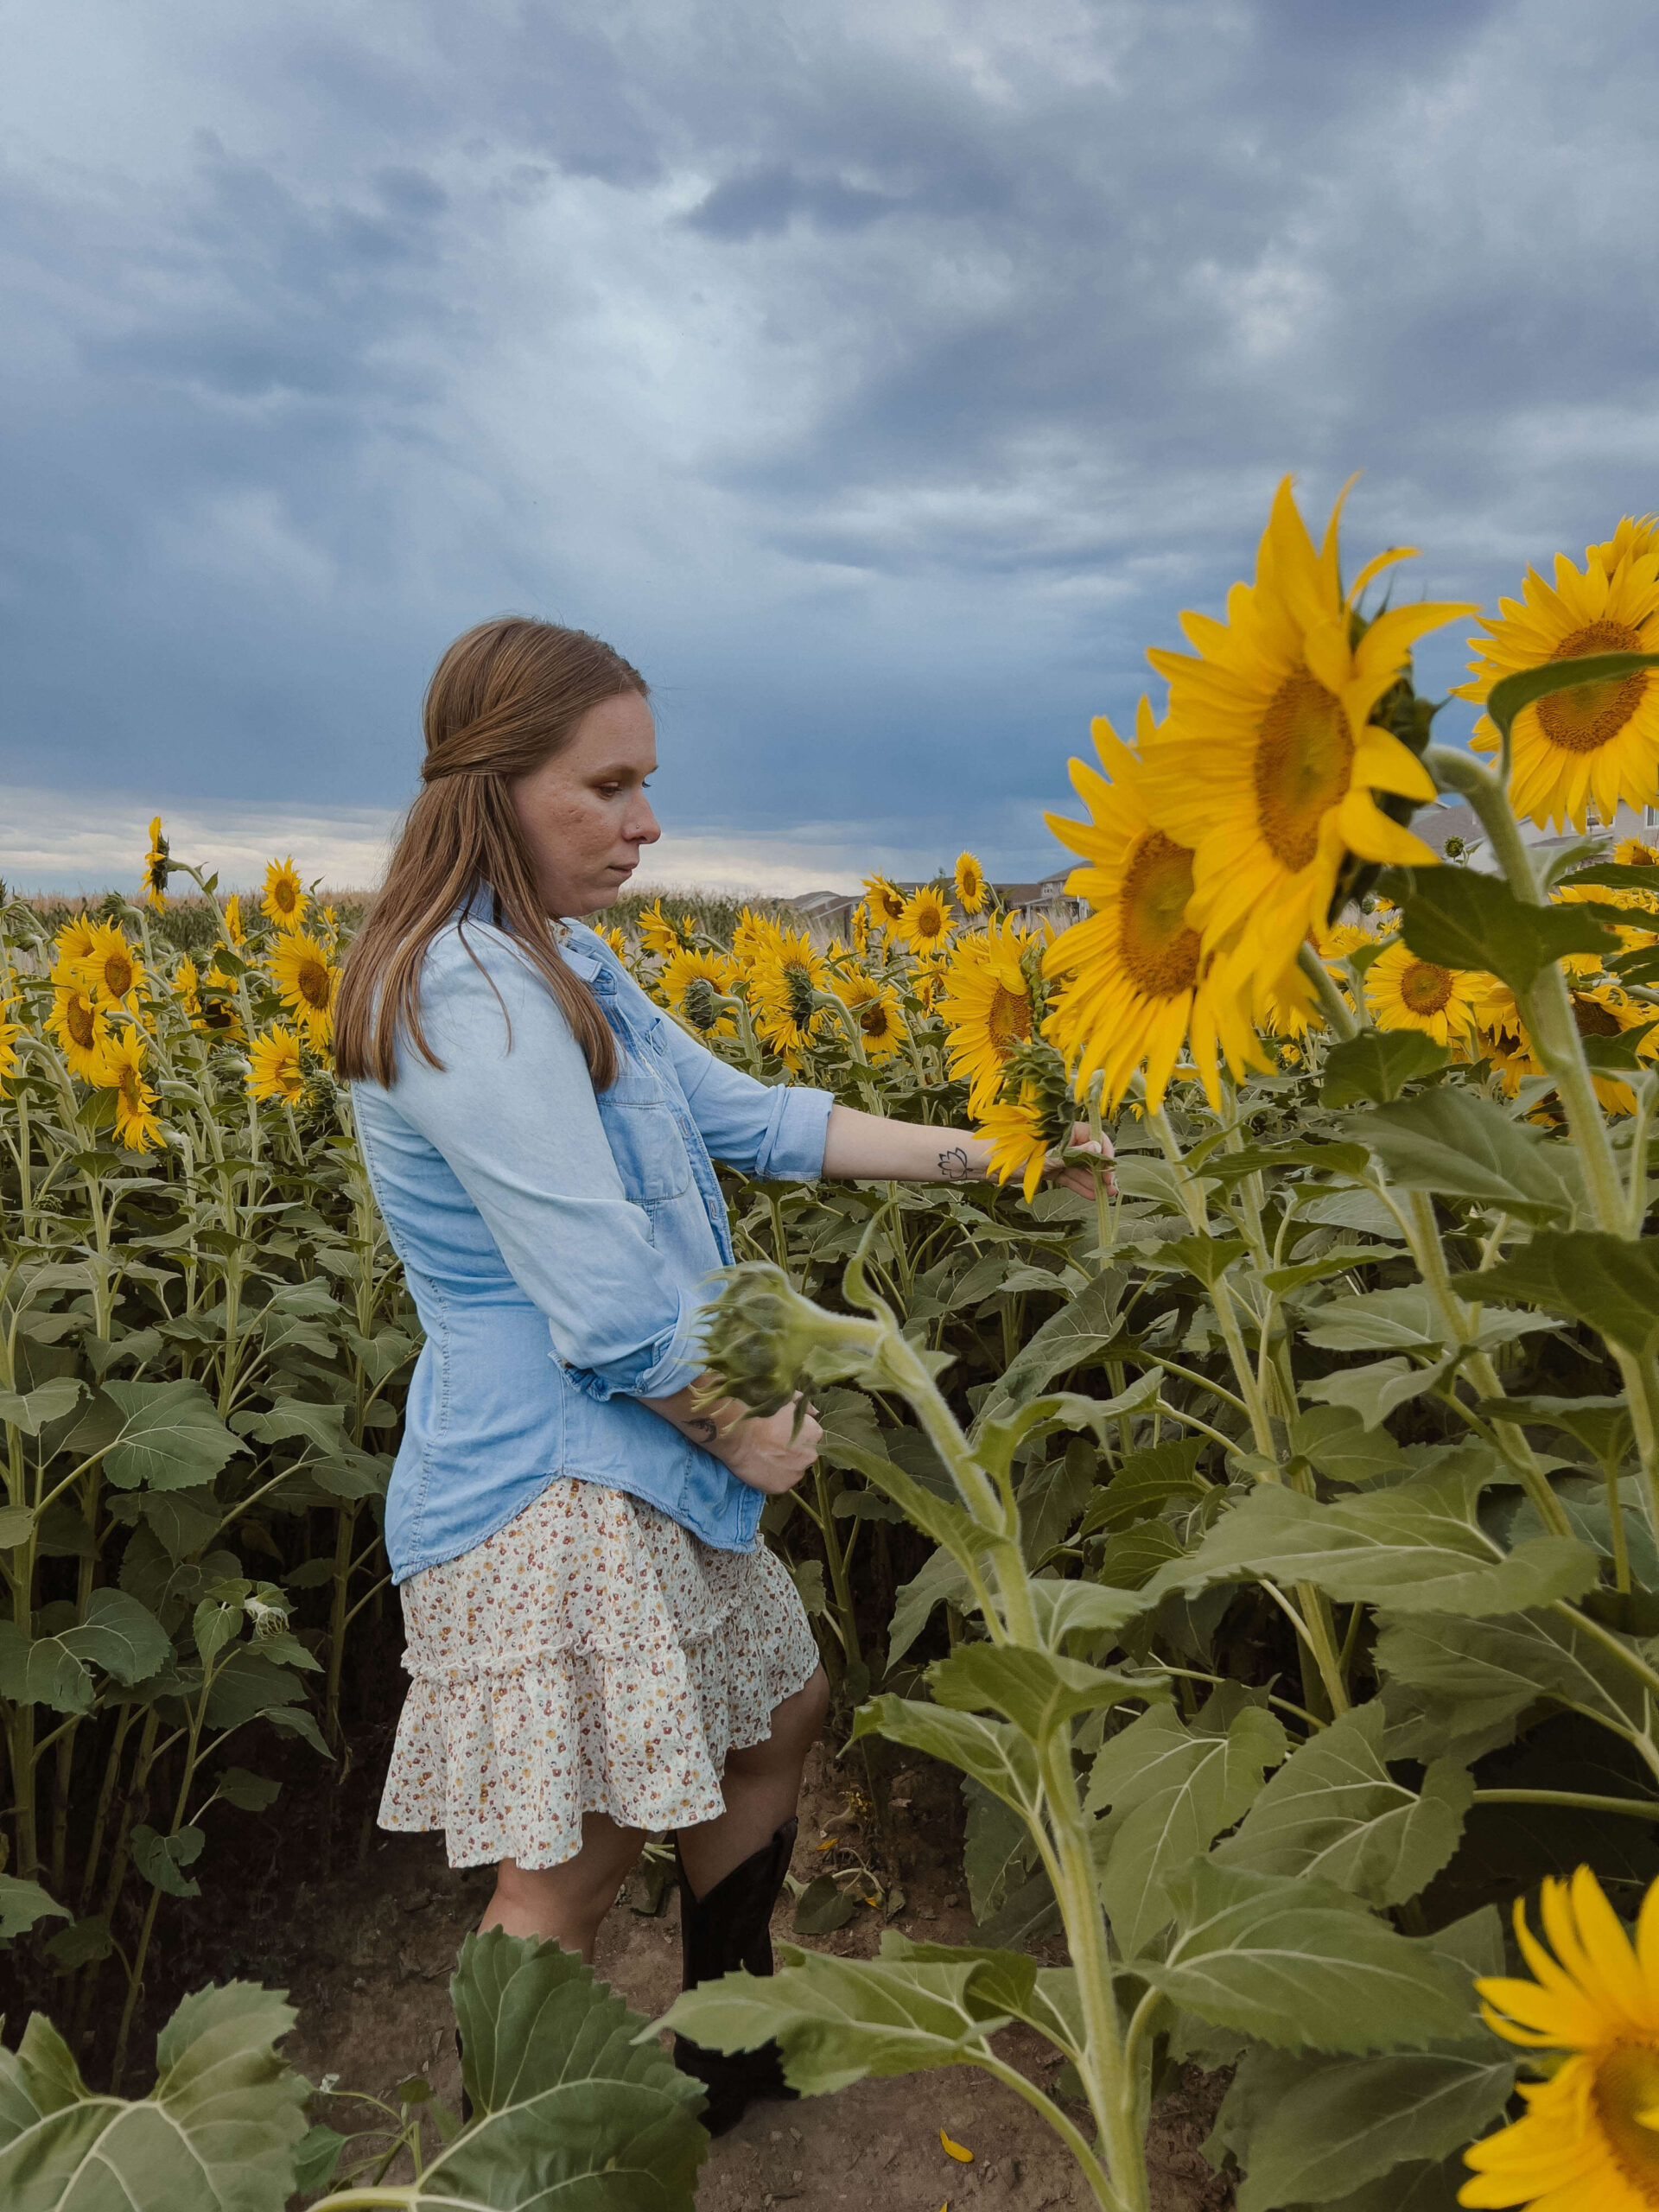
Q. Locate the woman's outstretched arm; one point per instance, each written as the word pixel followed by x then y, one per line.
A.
pixel 868 1148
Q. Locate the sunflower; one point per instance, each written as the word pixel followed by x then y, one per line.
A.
pixel 930 974
pixel 784 978
pixel 233 924
pixel 111 969
pixel 887 901
pixel 82 1027
pixel 1137 978
pixel 1635 535
pixel 120 1068
pixel 1405 992
pixel 880 1019
pixel 284 901
pixel 615 939
pixel 971 884
pixel 1267 771
pixel 1589 2139
pixel 988 1001
pixel 1604 1011
pixel 925 923
pixel 186 988
pixel 274 1065
pixel 306 980
pixel 1596 743
pixel 155 869
pixel 859 930
pixel 72 945
pixel 9 1033
pixel 220 1014
pixel 754 933
pixel 1635 852
pixel 689 983
pixel 659 933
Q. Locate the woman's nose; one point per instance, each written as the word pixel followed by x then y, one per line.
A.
pixel 641 827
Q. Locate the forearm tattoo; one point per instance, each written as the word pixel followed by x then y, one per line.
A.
pixel 700 1430
pixel 953 1165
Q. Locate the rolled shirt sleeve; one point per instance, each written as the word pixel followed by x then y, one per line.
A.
pixel 520 1128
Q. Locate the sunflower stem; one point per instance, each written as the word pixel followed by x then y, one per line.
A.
pixel 1337 1010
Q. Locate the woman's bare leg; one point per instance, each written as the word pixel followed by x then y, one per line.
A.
pixel 761 1787
pixel 566 1903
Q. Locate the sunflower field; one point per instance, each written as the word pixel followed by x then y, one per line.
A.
pixel 1271 1541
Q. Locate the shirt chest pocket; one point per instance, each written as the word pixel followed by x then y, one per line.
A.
pixel 646 1144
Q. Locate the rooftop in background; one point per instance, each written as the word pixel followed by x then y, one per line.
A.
pixel 831 909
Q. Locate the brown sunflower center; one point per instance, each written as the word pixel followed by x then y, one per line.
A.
pixel 1594 1019
pixel 1592 715
pixel 1641 855
pixel 80 1021
pixel 127 1083
pixel 1303 754
pixel 283 894
pixel 118 975
pixel 876 1021
pixel 1158 951
pixel 1425 988
pixel 314 984
pixel 1625 2096
pixel 929 921
pixel 1009 1019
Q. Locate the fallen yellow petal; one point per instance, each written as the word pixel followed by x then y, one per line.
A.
pixel 829 1844
pixel 955 2150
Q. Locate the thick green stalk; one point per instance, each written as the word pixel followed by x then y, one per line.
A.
pixel 1335 1008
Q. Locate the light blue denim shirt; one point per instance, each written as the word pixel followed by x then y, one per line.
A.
pixel 557 1242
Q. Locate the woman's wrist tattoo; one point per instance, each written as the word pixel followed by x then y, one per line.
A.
pixel 953 1165
pixel 700 1430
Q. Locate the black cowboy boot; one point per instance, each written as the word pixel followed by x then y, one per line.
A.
pixel 728 1929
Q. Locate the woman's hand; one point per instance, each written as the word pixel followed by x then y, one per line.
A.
pixel 769 1452
pixel 1077 1177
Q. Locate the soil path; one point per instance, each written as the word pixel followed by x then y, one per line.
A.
pixel 367 1954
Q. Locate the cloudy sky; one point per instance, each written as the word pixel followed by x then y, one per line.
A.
pixel 881 375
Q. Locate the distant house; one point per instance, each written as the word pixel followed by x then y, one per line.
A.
pixel 1438 826
pixel 830 911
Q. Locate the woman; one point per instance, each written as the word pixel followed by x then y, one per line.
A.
pixel 599 1644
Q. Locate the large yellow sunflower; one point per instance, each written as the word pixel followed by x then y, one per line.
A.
pixel 72 943
pixel 1589 2140
pixel 880 1019
pixel 1405 992
pixel 887 901
pixel 1267 771
pixel 81 1027
pixel 121 1070
pixel 784 976
pixel 688 983
pixel 971 884
pixel 155 868
pixel 274 1068
pixel 1599 743
pixel 925 923
pixel 306 981
pixel 1137 980
pixel 111 969
pixel 284 901
pixel 988 1004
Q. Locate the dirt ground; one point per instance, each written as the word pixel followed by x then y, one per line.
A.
pixel 368 1952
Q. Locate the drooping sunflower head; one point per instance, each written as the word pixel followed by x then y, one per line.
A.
pixel 9 1033
pixel 659 933
pixel 1407 992
pixel 859 930
pixel 306 981
pixel 1274 750
pixel 971 884
pixel 155 868
pixel 1137 979
pixel 993 1000
pixel 1589 2139
pixel 1598 743
pixel 233 924
pixel 285 900
pixel 276 1067
pixel 121 1070
pixel 887 901
pixel 692 984
pixel 785 978
pixel 72 943
pixel 111 970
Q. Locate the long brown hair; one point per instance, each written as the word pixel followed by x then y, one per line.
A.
pixel 503 698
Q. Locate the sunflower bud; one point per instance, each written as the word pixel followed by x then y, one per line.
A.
pixel 765 1342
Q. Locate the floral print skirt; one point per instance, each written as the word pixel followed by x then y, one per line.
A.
pixel 591 1656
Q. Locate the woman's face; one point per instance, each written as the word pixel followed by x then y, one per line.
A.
pixel 584 813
